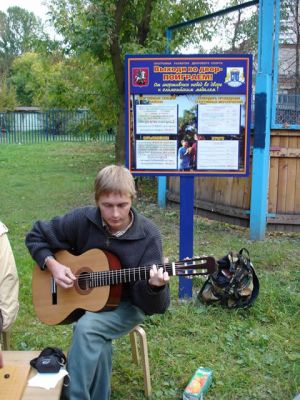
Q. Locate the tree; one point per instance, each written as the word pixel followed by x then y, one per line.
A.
pixel 236 31
pixel 290 34
pixel 29 75
pixel 241 35
pixel 7 96
pixel 20 32
pixel 72 82
pixel 111 28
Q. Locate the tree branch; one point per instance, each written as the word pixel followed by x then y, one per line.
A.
pixel 144 26
pixel 236 30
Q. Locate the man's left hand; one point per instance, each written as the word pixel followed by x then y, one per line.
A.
pixel 158 276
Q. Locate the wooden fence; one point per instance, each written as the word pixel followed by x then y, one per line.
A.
pixel 229 198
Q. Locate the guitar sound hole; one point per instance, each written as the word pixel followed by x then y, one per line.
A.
pixel 83 281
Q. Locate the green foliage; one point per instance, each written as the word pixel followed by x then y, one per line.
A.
pixel 29 77
pixel 96 35
pixel 109 29
pixel 7 96
pixel 254 353
pixel 91 126
pixel 65 83
pixel 90 25
pixel 20 32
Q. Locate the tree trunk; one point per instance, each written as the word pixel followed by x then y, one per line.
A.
pixel 120 137
pixel 297 49
pixel 144 26
pixel 118 69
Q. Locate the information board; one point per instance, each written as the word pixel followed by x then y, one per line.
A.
pixel 188 114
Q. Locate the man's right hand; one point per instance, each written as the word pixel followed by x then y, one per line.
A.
pixel 62 274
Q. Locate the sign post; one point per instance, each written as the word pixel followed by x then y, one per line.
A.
pixel 186 235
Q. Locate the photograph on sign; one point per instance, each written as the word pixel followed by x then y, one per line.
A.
pixel 188 115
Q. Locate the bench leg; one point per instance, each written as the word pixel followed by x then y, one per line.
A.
pixel 6 340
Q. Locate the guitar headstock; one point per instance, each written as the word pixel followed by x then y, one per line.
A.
pixel 205 265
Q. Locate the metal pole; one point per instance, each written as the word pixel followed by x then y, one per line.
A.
pixel 186 236
pixel 261 145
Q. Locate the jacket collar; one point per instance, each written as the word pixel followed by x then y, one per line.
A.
pixel 136 231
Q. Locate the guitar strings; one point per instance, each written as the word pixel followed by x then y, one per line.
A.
pixel 137 269
pixel 112 275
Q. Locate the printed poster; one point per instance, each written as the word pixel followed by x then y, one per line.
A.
pixel 188 114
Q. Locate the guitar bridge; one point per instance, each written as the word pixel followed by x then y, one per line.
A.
pixel 53 291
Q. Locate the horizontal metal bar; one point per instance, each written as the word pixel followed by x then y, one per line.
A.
pixel 212 15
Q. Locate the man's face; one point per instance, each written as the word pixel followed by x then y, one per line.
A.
pixel 115 209
pixel 185 144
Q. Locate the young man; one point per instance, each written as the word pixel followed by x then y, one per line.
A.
pixel 184 157
pixel 113 226
pixel 9 282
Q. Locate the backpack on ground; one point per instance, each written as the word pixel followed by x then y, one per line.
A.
pixel 234 284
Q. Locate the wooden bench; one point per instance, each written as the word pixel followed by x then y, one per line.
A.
pixel 22 358
pixel 138 341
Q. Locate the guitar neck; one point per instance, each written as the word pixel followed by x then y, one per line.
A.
pixel 127 275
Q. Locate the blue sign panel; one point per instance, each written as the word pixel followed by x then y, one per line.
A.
pixel 188 114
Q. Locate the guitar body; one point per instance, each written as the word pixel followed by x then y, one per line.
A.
pixel 55 305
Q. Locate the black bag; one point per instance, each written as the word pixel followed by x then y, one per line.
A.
pixel 50 360
pixel 234 284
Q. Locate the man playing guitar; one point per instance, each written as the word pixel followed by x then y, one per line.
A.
pixel 113 226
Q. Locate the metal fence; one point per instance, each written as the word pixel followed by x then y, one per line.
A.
pixel 52 125
pixel 288 110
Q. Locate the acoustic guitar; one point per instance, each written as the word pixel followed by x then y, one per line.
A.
pixel 98 285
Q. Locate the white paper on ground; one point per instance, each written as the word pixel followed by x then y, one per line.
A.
pixel 47 381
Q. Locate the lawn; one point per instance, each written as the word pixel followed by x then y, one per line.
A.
pixel 254 353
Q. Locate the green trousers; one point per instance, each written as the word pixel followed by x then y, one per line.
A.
pixel 90 356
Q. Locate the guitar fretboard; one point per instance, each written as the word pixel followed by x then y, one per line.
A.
pixel 107 278
pixel 127 275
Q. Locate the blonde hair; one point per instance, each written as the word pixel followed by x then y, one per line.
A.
pixel 114 179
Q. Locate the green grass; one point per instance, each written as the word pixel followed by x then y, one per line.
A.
pixel 254 353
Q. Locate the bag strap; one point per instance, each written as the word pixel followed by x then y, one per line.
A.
pixel 244 250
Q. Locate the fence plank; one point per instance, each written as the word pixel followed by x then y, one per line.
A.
pixel 291 182
pixel 273 180
pixel 282 179
pixel 297 188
